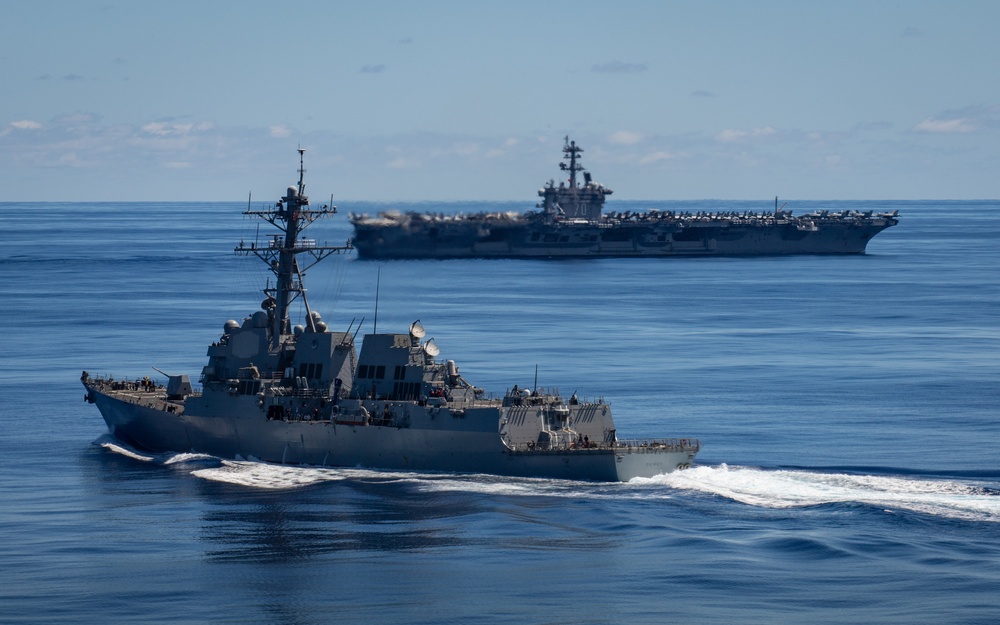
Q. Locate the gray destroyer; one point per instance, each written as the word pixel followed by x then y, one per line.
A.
pixel 570 222
pixel 302 394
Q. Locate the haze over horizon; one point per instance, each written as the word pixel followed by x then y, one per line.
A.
pixel 446 100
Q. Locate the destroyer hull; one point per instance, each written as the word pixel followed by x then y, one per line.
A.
pixel 374 241
pixel 303 394
pixel 146 425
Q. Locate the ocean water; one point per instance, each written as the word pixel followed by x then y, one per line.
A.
pixel 848 407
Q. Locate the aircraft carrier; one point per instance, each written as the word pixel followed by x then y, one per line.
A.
pixel 571 222
pixel 302 394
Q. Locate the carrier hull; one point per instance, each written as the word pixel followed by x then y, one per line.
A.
pixel 374 240
pixel 571 222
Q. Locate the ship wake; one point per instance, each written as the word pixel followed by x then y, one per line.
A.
pixel 796 488
pixel 763 488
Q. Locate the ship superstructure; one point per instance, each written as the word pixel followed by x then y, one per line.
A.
pixel 303 394
pixel 570 222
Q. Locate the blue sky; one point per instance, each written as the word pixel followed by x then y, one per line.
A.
pixel 462 100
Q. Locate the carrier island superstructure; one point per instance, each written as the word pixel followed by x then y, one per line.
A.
pixel 302 394
pixel 571 222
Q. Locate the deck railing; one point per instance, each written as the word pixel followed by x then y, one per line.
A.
pixel 644 445
pixel 687 444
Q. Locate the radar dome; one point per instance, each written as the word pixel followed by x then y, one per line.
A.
pixel 231 325
pixel 260 319
pixel 321 326
pixel 298 330
pixel 431 348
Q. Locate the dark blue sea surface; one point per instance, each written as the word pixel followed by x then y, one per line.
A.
pixel 848 408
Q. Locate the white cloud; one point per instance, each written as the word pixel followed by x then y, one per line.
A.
pixel 500 151
pixel 625 137
pixel 945 125
pixel 731 136
pixel 413 165
pixel 403 163
pixel 71 159
pixel 166 129
pixel 163 129
pixel 656 157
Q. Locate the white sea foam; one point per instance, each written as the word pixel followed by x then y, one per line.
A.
pixel 115 446
pixel 767 488
pixel 257 474
pixel 792 488
pixel 506 486
pixel 125 450
pixel 188 457
pixel 267 476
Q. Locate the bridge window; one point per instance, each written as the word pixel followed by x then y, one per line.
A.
pixel 311 370
pixel 405 390
pixel 249 387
